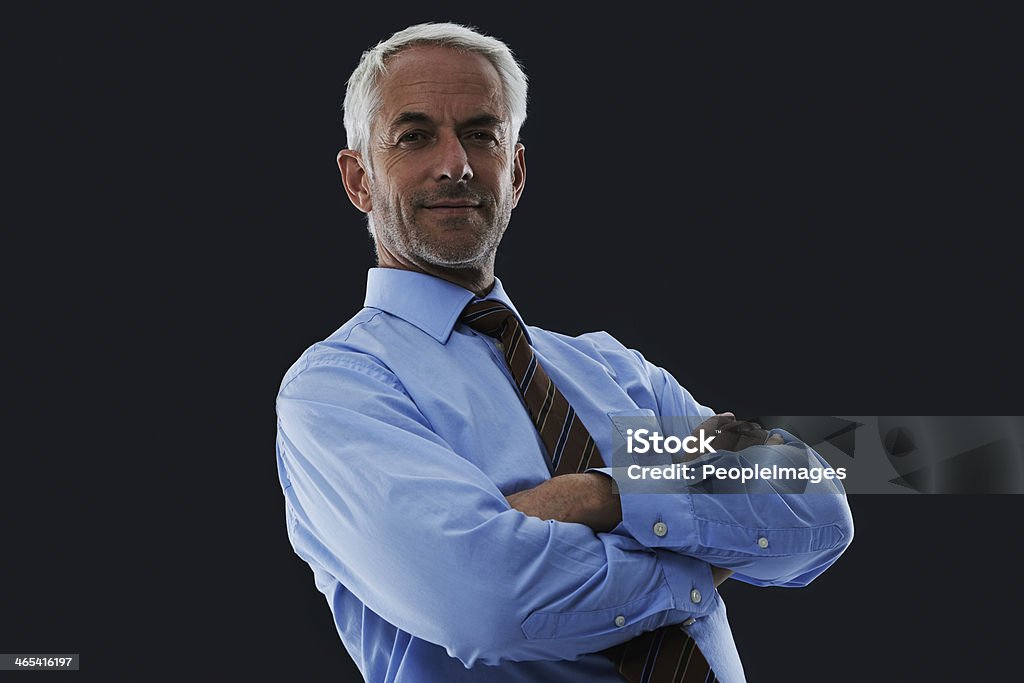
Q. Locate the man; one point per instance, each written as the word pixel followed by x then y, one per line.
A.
pixel 424 482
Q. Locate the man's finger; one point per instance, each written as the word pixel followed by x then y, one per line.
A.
pixel 714 422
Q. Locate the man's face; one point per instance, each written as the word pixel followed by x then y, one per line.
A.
pixel 446 174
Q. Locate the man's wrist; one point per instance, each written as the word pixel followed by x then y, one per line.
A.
pixel 605 506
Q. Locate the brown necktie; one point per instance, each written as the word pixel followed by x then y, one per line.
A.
pixel 667 655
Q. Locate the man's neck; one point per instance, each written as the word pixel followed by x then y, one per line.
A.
pixel 477 278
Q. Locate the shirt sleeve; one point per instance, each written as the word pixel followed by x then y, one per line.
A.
pixel 424 538
pixel 770 533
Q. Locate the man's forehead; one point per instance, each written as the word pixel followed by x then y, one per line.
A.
pixel 422 78
pixel 444 63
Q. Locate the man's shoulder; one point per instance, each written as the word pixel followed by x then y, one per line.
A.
pixel 356 345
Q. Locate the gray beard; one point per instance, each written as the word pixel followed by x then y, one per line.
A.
pixel 385 226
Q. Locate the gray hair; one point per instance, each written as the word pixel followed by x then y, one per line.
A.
pixel 362 98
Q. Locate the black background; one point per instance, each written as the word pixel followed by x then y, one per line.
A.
pixel 801 210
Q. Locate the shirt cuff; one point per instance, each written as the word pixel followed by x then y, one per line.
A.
pixel 691 582
pixel 658 520
pixel 689 579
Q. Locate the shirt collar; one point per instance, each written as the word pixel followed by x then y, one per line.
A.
pixel 430 303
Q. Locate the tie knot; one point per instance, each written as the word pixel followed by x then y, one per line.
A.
pixel 488 317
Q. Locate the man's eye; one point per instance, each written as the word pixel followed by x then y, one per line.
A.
pixel 481 136
pixel 413 136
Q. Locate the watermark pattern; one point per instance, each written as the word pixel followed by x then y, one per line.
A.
pixel 809 454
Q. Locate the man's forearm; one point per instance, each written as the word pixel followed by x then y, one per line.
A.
pixel 587 499
pixel 590 498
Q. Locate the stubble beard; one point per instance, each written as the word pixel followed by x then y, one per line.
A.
pixel 395 228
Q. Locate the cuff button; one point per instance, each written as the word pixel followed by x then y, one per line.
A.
pixel 660 529
pixel 762 542
pixel 695 595
pixel 620 621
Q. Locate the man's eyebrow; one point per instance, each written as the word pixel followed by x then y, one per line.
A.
pixel 481 120
pixel 485 120
pixel 409 117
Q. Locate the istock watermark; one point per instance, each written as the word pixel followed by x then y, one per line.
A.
pixel 644 441
pixel 653 453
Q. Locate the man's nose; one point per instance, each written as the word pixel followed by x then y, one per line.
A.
pixel 452 160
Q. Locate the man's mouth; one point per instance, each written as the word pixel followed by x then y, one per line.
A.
pixel 453 205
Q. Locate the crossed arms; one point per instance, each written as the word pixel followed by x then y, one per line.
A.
pixel 379 501
pixel 590 498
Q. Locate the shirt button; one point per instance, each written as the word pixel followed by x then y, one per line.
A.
pixel 762 542
pixel 688 622
pixel 695 595
pixel 660 529
pixel 620 620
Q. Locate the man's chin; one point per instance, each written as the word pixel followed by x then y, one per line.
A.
pixel 454 261
pixel 455 253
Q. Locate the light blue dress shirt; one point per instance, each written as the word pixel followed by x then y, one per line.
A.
pixel 399 437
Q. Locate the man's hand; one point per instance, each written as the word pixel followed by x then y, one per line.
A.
pixel 733 435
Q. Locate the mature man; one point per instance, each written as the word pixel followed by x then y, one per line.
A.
pixel 442 461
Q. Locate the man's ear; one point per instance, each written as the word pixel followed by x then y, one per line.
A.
pixel 356 179
pixel 518 172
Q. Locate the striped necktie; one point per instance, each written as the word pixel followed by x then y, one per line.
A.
pixel 667 655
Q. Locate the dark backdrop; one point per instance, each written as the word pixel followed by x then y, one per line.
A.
pixel 799 211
